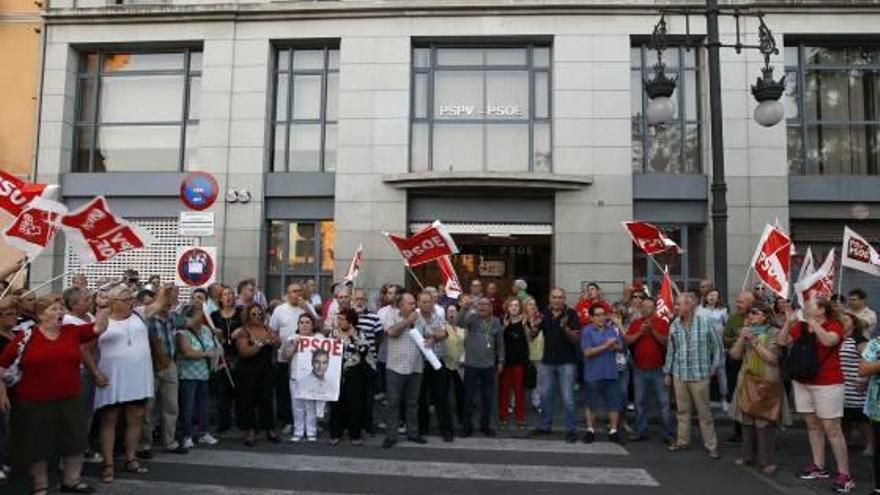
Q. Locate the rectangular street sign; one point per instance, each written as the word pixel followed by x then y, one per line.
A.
pixel 196 224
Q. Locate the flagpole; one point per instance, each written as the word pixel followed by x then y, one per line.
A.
pixel 15 276
pixel 746 281
pixel 47 282
pixel 664 270
pixel 405 263
pixel 840 279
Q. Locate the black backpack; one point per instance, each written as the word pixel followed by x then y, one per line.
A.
pixel 802 363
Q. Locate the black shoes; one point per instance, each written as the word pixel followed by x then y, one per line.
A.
pixel 388 443
pixel 489 432
pixel 615 437
pixel 589 436
pixel 417 439
pixel 570 437
pixel 447 436
pixel 145 454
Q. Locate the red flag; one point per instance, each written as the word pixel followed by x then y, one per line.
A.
pixel 15 193
pixel 818 284
pixel 649 238
pixel 356 263
pixel 97 235
pixel 426 245
pixel 34 228
pixel 664 298
pixel 772 260
pixel 450 278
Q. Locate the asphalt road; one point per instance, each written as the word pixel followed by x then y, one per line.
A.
pixel 479 465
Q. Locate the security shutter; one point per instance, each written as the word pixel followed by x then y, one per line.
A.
pixel 822 235
pixel 157 259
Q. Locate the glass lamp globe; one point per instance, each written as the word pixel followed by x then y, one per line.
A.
pixel 660 109
pixel 769 113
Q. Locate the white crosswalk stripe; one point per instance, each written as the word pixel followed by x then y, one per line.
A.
pixel 132 487
pixel 417 469
pixel 515 445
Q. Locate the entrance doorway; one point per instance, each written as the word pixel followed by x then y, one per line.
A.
pixel 499 259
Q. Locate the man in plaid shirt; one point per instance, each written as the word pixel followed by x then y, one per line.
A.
pixel 693 355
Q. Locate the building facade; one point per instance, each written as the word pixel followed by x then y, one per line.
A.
pixel 20 53
pixel 520 124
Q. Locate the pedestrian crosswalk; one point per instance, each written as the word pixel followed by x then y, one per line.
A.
pixel 473 465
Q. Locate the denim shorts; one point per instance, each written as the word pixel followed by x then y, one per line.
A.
pixel 608 391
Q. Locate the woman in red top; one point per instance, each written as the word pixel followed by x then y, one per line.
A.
pixel 46 414
pixel 820 398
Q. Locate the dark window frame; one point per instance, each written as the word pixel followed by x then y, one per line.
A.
pixel 92 125
pixel 430 120
pixel 802 125
pixel 286 275
pixel 288 121
pixel 645 67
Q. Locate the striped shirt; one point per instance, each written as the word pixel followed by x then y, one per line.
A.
pixel 849 363
pixel 370 327
pixel 692 354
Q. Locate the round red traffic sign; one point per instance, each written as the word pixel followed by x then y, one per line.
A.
pixel 195 267
pixel 198 190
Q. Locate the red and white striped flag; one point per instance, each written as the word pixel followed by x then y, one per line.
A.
pixel 356 263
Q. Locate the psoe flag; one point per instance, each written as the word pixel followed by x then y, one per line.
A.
pixel 34 228
pixel 664 299
pixel 450 279
pixel 858 254
pixel 15 194
pixel 808 267
pixel 97 235
pixel 772 260
pixel 819 284
pixel 649 238
pixel 426 245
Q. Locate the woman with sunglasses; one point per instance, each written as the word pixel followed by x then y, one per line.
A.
pixel 759 401
pixel 226 319
pixel 126 362
pixel 254 377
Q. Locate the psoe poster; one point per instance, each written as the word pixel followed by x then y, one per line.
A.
pixel 318 368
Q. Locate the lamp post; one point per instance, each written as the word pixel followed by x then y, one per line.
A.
pixel 766 91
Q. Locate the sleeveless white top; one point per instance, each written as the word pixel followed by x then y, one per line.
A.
pixel 126 362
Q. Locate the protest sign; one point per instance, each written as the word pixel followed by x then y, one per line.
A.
pixel 318 368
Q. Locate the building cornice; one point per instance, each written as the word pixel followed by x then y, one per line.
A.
pixel 507 180
pixel 301 10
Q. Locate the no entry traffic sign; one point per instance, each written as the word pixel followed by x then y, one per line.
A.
pixel 196 266
pixel 198 190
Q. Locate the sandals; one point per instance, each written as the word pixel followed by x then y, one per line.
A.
pixel 41 491
pixel 77 487
pixel 134 467
pixel 678 447
pixel 107 473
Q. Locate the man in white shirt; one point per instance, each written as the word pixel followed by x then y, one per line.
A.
pixel 284 321
pixel 857 302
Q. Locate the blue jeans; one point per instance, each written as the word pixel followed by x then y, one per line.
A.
pixel 553 376
pixel 195 399
pixel 648 382
pixel 623 383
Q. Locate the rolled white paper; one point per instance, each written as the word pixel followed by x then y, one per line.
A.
pixel 428 353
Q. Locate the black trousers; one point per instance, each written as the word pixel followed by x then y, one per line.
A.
pixel 348 412
pixel 875 426
pixel 435 390
pixel 480 380
pixel 282 393
pixel 253 397
pixel 732 369
pixel 224 394
pixel 371 387
pixel 457 385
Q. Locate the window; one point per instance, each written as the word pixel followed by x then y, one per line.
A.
pixel 305 111
pixel 138 111
pixel 481 109
pixel 832 101
pixel 298 251
pixel 686 269
pixel 671 147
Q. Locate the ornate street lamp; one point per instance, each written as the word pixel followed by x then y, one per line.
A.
pixel 766 91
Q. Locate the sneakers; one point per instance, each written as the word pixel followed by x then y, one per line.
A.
pixel 614 436
pixel 208 439
pixel 589 436
pixel 570 437
pixel 843 483
pixel 295 439
pixel 188 443
pixel 814 472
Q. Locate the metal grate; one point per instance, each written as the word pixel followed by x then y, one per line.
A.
pixel 158 259
pixel 500 229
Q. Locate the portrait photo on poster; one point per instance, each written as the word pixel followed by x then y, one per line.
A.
pixel 318 368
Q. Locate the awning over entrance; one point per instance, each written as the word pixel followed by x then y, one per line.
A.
pixel 490 229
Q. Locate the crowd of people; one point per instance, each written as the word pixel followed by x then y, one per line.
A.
pixel 118 372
